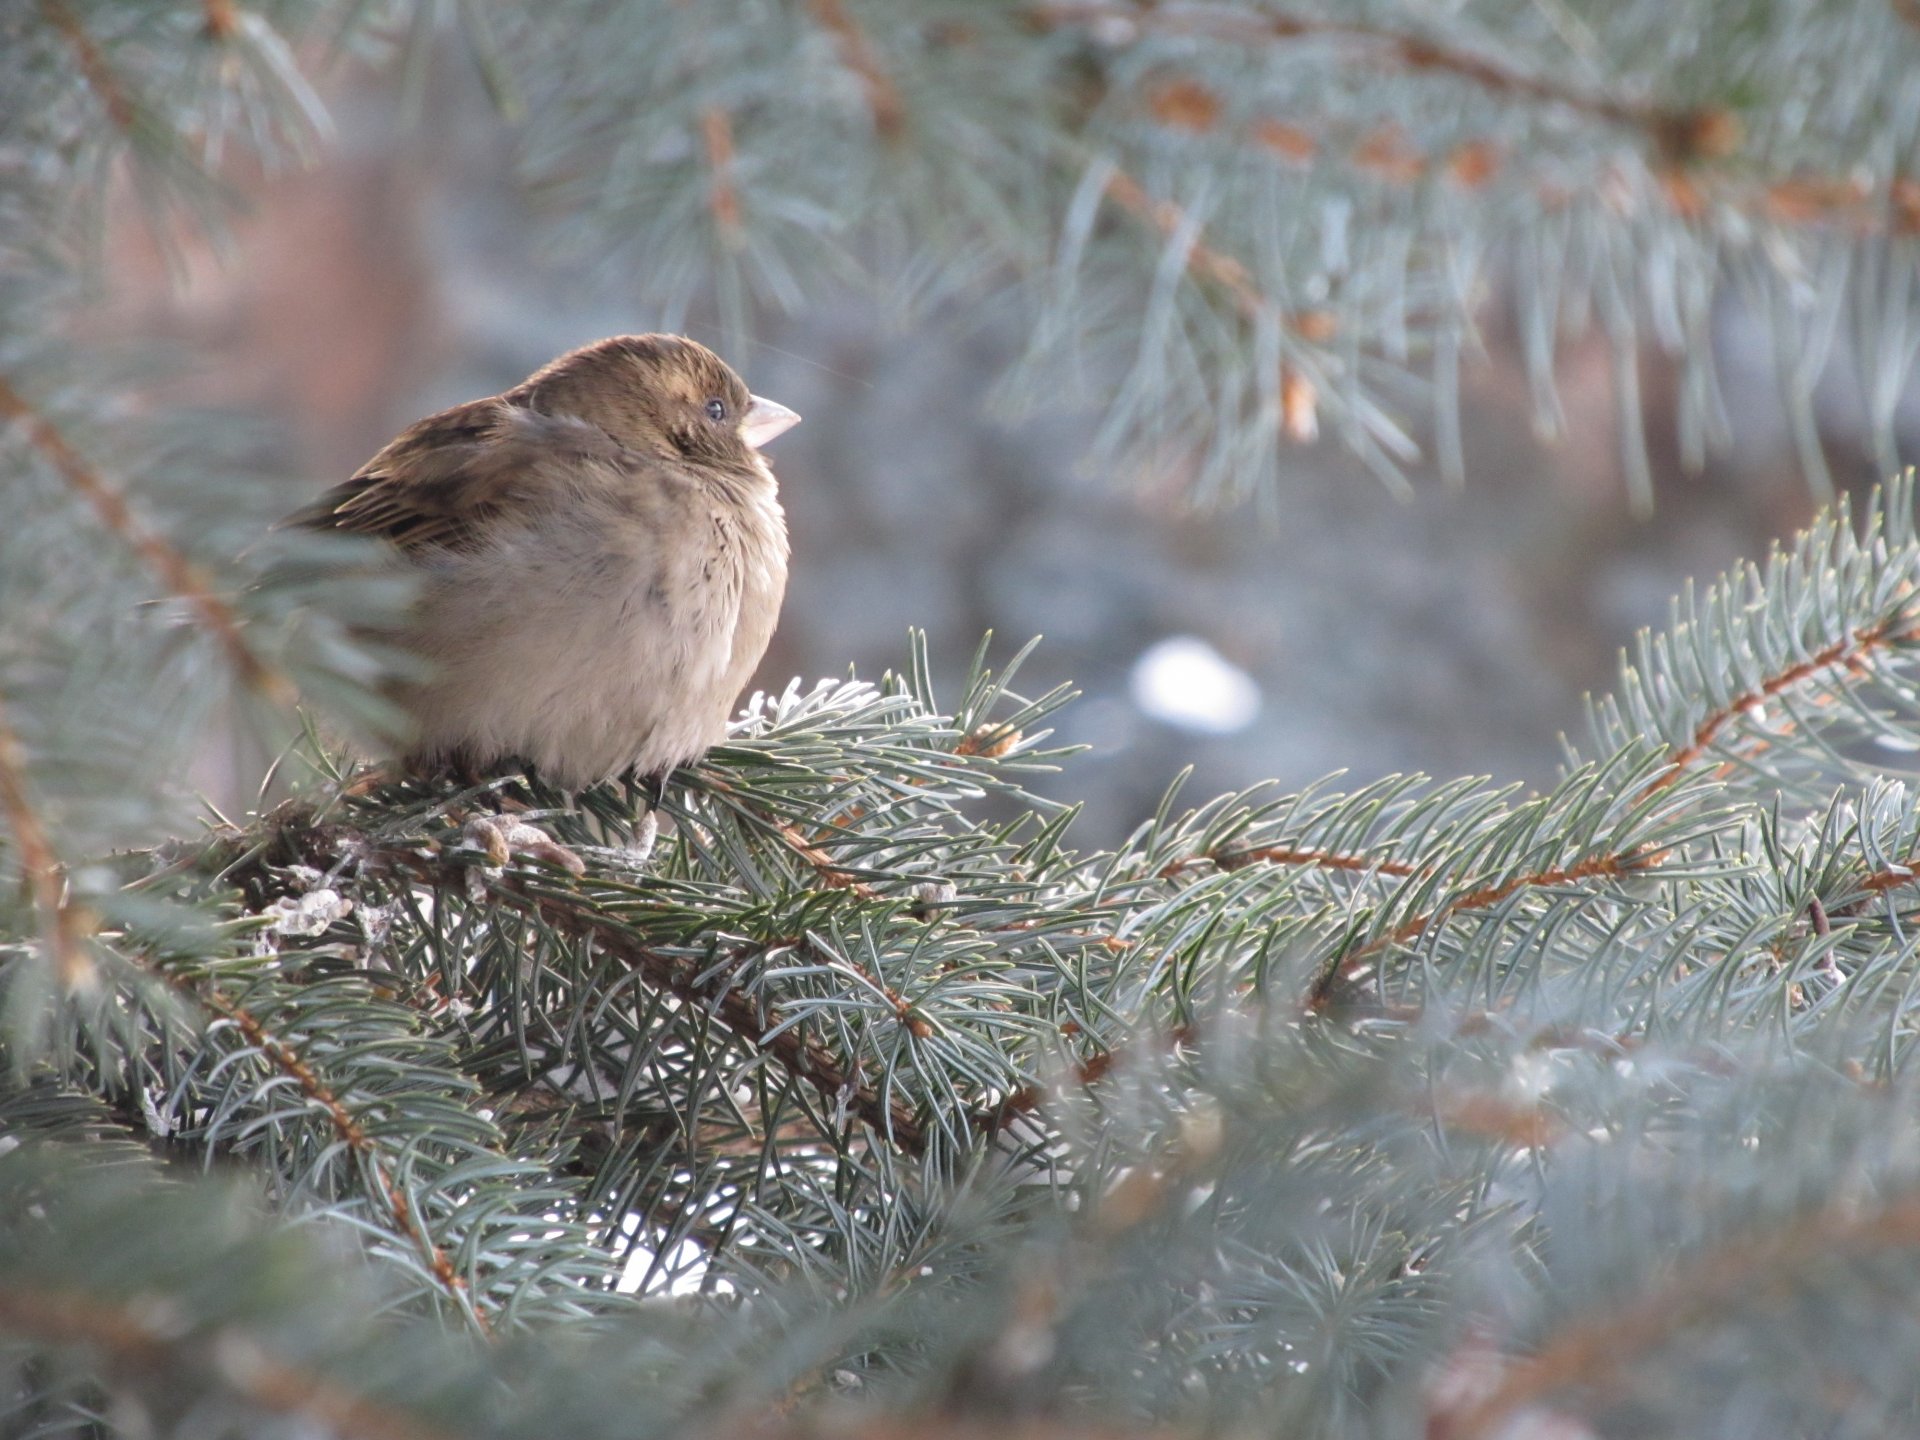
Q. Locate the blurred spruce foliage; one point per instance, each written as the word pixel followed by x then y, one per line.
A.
pixel 874 1104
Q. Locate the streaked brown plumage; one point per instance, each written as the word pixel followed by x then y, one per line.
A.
pixel 602 555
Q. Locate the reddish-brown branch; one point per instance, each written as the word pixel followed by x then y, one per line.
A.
pixel 723 200
pixel 64 928
pixel 1850 652
pixel 836 1081
pixel 1677 132
pixel 138 1338
pixel 1086 1072
pixel 1288 855
pixel 1892 878
pixel 1688 186
pixel 1491 1117
pixel 988 740
pixel 1202 259
pixel 1214 266
pixel 830 874
pixel 1347 964
pixel 93 65
pixel 352 1134
pixel 1849 204
pixel 856 53
pixel 179 574
pixel 222 18
pixel 1684 140
pixel 1594 1351
pixel 832 1079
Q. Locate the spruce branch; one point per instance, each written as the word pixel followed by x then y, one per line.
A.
pixel 1817 645
pixel 1611 866
pixel 130 1335
pixel 222 18
pixel 804 1056
pixel 883 96
pixel 63 926
pixel 723 196
pixel 99 76
pixel 1591 1350
pixel 1677 132
pixel 182 578
pixel 1852 652
pixel 354 1135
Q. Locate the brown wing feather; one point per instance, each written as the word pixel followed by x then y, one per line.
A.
pixel 436 485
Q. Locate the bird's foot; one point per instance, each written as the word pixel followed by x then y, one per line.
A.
pixel 633 856
pixel 500 838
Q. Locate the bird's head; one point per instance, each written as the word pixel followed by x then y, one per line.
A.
pixel 661 393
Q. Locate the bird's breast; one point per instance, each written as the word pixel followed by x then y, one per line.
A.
pixel 599 639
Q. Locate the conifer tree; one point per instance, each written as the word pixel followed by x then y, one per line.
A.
pixel 875 1100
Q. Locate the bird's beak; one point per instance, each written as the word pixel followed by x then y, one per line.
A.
pixel 764 420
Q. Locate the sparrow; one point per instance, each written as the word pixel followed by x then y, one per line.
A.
pixel 600 555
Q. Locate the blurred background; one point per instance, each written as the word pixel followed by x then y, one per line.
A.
pixel 1456 632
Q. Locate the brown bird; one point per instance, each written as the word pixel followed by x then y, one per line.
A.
pixel 601 554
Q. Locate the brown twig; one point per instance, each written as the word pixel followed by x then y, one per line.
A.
pixel 145 1336
pixel 1594 1351
pixel 680 976
pixel 834 1081
pixel 352 1134
pixel 179 574
pixel 830 874
pixel 1345 965
pixel 1675 131
pixel 64 926
pixel 1202 259
pixel 989 740
pixel 1488 1116
pixel 1681 138
pixel 723 199
pixel 1207 263
pixel 93 65
pixel 1086 1072
pixel 1289 855
pixel 222 18
pixel 1891 878
pixel 1850 652
pixel 1690 189
pixel 856 53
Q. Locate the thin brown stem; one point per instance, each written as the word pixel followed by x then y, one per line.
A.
pixel 174 570
pixel 723 198
pixel 93 65
pixel 884 101
pixel 1349 963
pixel 1287 855
pixel 1213 266
pixel 830 874
pixel 142 1337
pixel 222 18
pixel 831 1078
pixel 353 1135
pixel 1028 1097
pixel 1850 653
pixel 1675 131
pixel 63 927
pixel 1595 1351
pixel 1203 260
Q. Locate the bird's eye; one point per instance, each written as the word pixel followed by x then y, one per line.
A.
pixel 716 410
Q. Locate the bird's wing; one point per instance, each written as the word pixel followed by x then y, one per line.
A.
pixel 438 484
